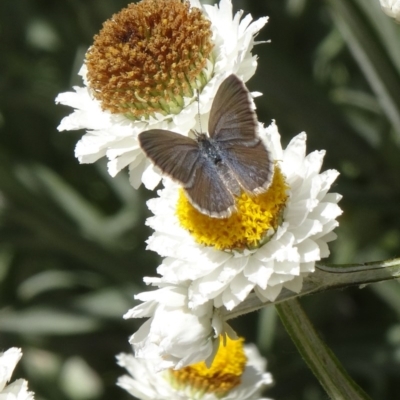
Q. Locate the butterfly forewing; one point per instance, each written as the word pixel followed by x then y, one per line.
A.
pixel 232 117
pixel 176 155
pixel 208 193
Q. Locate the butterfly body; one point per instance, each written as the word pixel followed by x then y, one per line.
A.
pixel 209 148
pixel 213 169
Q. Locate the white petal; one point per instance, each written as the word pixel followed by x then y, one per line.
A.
pixel 327 178
pixel 314 163
pixel 135 173
pixel 295 285
pixel 309 250
pixel 325 212
pixel 391 8
pixel 214 283
pixel 241 287
pixel 272 140
pixel 8 361
pixel 294 154
pixel 17 390
pixel 132 157
pixel 307 267
pixel 323 248
pixel 285 268
pixel 268 294
pixel 258 272
pixel 88 113
pixel 308 228
pixel 151 178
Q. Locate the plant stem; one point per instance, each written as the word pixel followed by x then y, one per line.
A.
pixel 319 358
pixel 325 277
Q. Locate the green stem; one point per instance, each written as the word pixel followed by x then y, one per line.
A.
pixel 325 277
pixel 319 358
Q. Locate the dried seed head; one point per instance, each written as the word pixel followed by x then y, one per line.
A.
pixel 148 57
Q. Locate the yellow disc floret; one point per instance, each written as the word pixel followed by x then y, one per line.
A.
pixel 223 375
pixel 256 218
pixel 148 57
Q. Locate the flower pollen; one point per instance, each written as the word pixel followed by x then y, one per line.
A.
pixel 148 57
pixel 255 220
pixel 223 375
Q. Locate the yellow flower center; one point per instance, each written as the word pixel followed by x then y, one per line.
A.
pixel 254 222
pixel 148 57
pixel 223 375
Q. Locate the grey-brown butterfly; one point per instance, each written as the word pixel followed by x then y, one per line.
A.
pixel 213 169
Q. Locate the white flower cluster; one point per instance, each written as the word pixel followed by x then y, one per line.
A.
pixel 175 337
pixel 185 325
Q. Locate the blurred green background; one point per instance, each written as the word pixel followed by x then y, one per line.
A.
pixel 72 251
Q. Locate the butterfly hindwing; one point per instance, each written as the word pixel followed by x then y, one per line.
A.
pixel 208 193
pixel 174 154
pixel 251 165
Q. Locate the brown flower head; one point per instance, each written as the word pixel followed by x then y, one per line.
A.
pixel 148 57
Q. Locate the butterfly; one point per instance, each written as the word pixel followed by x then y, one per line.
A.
pixel 214 169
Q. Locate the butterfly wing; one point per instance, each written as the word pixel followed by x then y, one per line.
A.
pixel 179 157
pixel 233 125
pixel 232 116
pixel 251 165
pixel 208 193
pixel 174 154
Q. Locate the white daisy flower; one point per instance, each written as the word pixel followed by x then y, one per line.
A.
pixel 391 8
pixel 175 336
pixel 143 72
pixel 17 390
pixel 237 373
pixel 271 242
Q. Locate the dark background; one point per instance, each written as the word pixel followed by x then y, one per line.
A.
pixel 72 251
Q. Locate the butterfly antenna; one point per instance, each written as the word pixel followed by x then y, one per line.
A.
pixel 198 110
